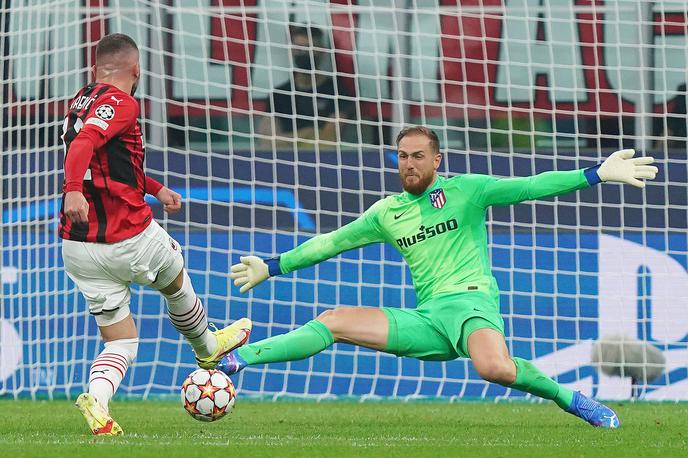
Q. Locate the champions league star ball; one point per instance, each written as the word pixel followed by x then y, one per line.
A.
pixel 208 395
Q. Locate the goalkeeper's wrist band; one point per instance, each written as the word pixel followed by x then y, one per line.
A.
pixel 592 176
pixel 273 266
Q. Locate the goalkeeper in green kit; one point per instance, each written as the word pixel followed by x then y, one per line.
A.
pixel 438 226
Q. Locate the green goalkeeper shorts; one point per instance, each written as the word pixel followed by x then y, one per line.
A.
pixel 438 329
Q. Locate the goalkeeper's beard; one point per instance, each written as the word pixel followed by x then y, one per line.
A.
pixel 418 186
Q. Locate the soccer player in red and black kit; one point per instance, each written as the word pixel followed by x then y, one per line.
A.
pixel 110 239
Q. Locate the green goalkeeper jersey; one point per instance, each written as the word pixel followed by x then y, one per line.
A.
pixel 441 233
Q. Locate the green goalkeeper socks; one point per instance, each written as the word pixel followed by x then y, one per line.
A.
pixel 308 340
pixel 531 380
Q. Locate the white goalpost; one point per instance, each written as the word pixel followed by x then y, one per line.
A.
pixel 269 148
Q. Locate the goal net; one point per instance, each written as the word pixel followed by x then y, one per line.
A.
pixel 276 121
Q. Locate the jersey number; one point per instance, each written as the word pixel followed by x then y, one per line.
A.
pixel 78 124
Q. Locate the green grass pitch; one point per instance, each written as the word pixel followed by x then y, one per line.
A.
pixel 288 428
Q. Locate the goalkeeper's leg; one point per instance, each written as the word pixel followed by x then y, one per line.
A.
pixel 491 359
pixel 363 326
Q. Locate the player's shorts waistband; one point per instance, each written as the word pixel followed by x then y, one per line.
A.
pixel 151 228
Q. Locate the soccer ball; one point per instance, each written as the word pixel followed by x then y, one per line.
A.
pixel 208 395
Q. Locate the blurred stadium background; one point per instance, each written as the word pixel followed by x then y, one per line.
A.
pixel 512 88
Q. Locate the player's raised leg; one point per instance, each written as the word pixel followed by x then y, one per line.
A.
pixel 364 326
pixel 188 316
pixel 491 359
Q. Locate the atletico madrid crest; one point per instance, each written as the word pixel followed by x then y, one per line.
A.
pixel 437 198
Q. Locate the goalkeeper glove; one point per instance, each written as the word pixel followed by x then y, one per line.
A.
pixel 252 271
pixel 622 167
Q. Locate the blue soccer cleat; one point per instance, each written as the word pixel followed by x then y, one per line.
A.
pixel 594 412
pixel 231 363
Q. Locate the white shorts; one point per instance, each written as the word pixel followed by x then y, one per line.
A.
pixel 103 272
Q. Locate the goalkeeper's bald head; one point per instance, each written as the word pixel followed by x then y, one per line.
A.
pixel 117 62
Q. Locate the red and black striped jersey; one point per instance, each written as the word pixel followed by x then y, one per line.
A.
pixel 102 134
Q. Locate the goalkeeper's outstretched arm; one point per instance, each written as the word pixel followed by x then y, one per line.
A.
pixel 252 270
pixel 620 167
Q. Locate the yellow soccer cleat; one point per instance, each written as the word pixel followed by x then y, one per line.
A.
pixel 228 339
pixel 100 422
